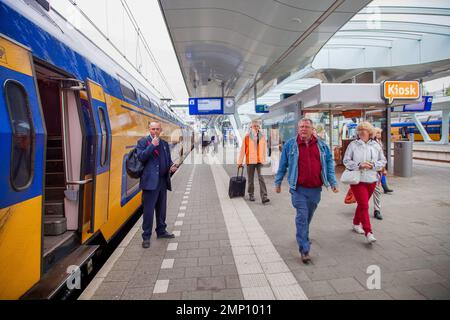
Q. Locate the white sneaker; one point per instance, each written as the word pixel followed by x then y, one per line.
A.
pixel 370 238
pixel 358 229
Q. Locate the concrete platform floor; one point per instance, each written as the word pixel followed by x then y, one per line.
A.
pixel 237 249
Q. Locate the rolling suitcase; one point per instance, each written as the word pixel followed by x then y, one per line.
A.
pixel 237 185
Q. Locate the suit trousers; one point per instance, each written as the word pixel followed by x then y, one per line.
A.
pixel 154 201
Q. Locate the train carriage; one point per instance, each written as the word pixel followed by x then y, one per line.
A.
pixel 69 114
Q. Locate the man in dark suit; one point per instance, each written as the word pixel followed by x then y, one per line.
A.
pixel 155 181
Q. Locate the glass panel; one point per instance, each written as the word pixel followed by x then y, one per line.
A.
pixel 128 90
pixel 23 133
pixel 104 146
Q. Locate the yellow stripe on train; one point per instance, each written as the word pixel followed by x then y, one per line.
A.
pixel 20 225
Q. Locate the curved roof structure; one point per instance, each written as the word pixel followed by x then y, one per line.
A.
pixel 396 39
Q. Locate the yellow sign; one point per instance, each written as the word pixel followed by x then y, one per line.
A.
pixel 401 90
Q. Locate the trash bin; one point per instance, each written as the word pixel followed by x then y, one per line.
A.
pixel 403 156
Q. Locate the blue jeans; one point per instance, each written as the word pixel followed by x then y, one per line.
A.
pixel 154 201
pixel 305 201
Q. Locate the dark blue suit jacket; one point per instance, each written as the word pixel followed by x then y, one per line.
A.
pixel 150 176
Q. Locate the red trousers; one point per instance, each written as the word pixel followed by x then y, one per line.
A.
pixel 363 191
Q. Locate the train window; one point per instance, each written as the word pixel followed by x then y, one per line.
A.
pixel 104 138
pixel 23 133
pixel 146 104
pixel 128 90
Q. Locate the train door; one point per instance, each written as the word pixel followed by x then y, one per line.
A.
pixel 98 191
pixel 22 146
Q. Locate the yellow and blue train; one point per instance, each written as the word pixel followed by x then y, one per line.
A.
pixel 69 114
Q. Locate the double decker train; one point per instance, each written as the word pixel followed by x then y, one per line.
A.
pixel 69 115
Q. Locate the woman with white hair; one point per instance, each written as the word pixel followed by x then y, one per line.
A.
pixel 366 156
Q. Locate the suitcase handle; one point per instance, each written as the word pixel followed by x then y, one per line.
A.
pixel 242 171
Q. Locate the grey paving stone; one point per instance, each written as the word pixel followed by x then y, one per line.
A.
pixel 144 293
pixel 434 291
pixel 228 294
pixel 223 270
pixel 346 285
pixel 198 237
pixel 167 296
pixel 185 262
pixel 175 273
pixel 121 275
pixel 111 289
pixel 180 285
pixel 404 293
pixel 209 244
pixel 176 254
pixel 211 283
pixel 210 261
pixel 222 251
pixel 232 282
pixel 345 296
pixel 228 260
pixel 100 297
pixel 188 245
pixel 196 272
pixel 198 253
pixel 317 288
pixel 373 295
pixel 197 295
pixel 125 265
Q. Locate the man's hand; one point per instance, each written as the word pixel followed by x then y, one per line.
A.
pixel 335 189
pixel 155 141
pixel 173 168
pixel 278 189
pixel 240 166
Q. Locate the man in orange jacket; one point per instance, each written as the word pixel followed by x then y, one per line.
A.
pixel 254 150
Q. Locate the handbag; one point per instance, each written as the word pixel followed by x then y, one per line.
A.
pixel 350 197
pixel 351 177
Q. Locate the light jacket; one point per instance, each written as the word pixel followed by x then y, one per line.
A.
pixel 289 163
pixel 359 151
pixel 250 151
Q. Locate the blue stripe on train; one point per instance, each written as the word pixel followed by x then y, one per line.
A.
pixel 9 196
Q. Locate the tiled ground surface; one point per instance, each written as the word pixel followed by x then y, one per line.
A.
pixel 412 248
pixel 412 251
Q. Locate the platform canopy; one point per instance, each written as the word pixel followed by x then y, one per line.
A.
pixel 394 39
pixel 224 46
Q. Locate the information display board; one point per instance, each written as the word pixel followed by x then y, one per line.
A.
pixel 425 105
pixel 261 108
pixel 204 106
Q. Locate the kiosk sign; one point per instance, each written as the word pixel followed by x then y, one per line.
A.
pixel 400 90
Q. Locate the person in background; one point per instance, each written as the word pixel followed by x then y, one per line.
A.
pixel 377 193
pixel 154 153
pixel 366 156
pixel 254 150
pixel 309 165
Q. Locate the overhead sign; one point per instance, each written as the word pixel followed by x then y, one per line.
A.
pixel 261 108
pixel 229 106
pixel 205 106
pixel 400 90
pixel 425 105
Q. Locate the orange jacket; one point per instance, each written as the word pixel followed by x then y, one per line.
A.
pixel 253 154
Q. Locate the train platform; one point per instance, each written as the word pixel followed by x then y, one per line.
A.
pixel 236 249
